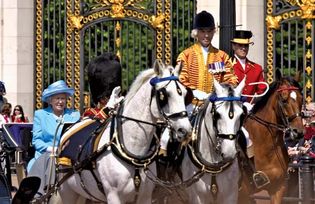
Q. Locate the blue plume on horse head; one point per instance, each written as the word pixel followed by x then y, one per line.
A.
pixel 156 80
pixel 213 98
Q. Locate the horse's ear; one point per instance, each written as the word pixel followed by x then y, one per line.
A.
pixel 297 76
pixel 239 88
pixel 157 66
pixel 179 67
pixel 278 75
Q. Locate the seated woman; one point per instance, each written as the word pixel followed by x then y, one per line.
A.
pixel 46 121
pixel 18 115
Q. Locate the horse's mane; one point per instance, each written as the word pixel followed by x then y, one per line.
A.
pixel 142 78
pixel 261 102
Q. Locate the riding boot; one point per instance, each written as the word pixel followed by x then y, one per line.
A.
pixel 257 178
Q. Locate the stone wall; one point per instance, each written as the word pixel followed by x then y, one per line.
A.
pixel 16 52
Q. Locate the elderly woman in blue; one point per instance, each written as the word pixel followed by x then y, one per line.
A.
pixel 47 120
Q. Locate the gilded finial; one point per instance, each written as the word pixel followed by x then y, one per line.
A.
pixel 76 21
pixel 157 21
pixel 273 22
pixel 308 8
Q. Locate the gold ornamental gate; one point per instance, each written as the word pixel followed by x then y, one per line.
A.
pixel 290 46
pixel 69 33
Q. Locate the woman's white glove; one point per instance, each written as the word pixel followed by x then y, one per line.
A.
pixel 50 149
pixel 114 98
pixel 200 94
pixel 248 106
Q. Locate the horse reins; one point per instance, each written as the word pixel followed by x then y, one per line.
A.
pixel 286 120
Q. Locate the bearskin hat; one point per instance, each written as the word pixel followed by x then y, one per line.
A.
pixel 104 74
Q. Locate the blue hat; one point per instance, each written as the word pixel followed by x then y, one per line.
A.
pixel 203 20
pixel 57 87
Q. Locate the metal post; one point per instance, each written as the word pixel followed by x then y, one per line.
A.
pixel 227 24
pixel 307 179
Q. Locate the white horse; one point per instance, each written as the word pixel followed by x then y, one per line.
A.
pixel 210 168
pixel 155 96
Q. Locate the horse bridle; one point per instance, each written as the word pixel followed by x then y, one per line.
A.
pixel 286 120
pixel 123 152
pixel 213 98
pixel 161 97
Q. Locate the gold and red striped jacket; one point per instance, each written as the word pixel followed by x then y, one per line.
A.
pixel 195 72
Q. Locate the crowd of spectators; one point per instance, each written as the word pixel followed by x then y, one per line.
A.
pixel 306 145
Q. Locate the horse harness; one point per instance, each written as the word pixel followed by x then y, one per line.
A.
pixel 193 152
pixel 285 127
pixel 117 146
pixel 286 120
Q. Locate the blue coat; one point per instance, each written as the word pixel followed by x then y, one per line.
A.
pixel 44 128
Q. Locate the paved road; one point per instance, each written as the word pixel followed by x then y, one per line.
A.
pixel 163 196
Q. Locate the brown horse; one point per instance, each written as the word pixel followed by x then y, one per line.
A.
pixel 274 117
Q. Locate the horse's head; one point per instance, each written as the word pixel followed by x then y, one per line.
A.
pixel 169 98
pixel 227 111
pixel 289 105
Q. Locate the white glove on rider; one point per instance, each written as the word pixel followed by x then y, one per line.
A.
pixel 114 98
pixel 200 94
pixel 248 106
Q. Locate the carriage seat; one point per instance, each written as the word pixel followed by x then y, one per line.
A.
pixel 16 142
pixel 79 142
pixel 18 137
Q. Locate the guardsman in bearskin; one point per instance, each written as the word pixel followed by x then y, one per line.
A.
pixel 253 72
pixel 104 75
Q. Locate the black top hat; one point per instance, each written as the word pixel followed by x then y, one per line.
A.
pixel 203 20
pixel 242 37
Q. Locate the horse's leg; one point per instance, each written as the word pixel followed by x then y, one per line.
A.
pixel 276 198
pixel 145 199
pixel 244 193
pixel 113 198
pixel 67 195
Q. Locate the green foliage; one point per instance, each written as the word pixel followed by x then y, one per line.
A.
pixel 54 49
pixel 182 23
pixel 289 47
pixel 138 40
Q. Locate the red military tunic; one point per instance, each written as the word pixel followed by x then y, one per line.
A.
pixel 254 73
pixel 96 113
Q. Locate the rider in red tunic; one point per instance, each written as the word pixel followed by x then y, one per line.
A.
pixel 253 72
pixel 244 67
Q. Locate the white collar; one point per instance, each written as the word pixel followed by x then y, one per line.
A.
pixel 242 61
pixel 205 51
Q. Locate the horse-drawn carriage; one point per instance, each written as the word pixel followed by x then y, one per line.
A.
pixel 15 151
pixel 122 167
